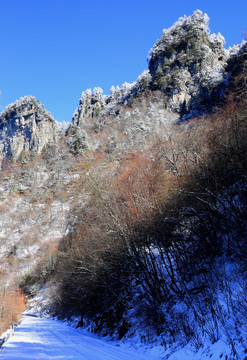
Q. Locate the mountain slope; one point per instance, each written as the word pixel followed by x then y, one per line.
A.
pixel 133 218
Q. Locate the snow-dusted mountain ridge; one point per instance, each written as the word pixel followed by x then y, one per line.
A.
pixel 188 66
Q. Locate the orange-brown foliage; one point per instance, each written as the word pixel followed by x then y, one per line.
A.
pixel 12 305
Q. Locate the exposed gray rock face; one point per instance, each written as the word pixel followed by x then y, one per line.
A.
pixel 25 127
pixel 188 64
pixel 90 105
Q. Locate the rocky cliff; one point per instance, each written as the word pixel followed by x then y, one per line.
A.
pixel 188 64
pixel 25 127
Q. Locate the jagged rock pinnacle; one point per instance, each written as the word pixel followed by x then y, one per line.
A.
pixel 25 127
pixel 187 63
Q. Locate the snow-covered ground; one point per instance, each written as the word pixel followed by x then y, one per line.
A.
pixel 43 338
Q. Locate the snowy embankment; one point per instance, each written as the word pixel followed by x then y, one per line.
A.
pixel 42 338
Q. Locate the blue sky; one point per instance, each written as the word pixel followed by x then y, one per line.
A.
pixel 55 49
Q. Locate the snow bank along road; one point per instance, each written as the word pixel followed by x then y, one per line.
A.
pixel 41 338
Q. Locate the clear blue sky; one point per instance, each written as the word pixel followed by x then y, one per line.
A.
pixel 55 49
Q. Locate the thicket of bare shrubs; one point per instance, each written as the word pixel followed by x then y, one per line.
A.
pixel 153 240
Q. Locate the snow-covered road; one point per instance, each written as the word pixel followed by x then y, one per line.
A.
pixel 47 339
pixel 41 338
